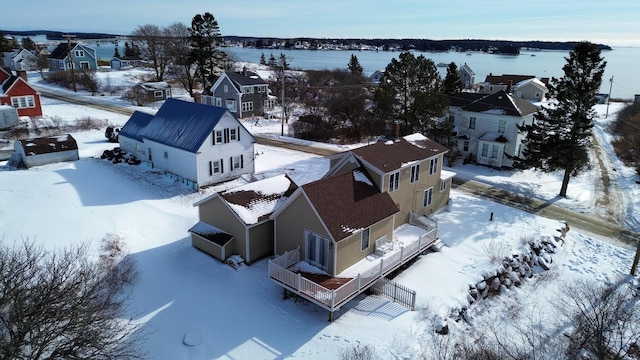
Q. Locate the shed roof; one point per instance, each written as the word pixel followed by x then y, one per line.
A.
pixel 211 233
pixel 49 144
pixel 393 155
pixel 349 202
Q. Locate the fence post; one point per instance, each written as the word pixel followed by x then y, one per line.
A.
pixel 381 266
pixel 359 282
pixel 299 282
pixel 413 300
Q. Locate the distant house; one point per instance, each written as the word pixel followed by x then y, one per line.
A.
pixel 154 91
pixel 236 221
pixel 495 83
pixel 376 77
pixel 530 89
pixel 198 144
pixel 118 63
pixel 245 94
pixel 47 150
pixel 20 60
pixel 16 91
pixel 486 126
pixel 82 57
pixel 467 76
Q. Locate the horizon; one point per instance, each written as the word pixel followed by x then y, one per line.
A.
pixel 613 23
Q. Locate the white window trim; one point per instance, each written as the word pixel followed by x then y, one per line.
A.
pixel 415 173
pixel 428 192
pixel 365 233
pixel 394 181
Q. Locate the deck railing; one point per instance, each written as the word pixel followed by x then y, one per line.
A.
pixel 333 299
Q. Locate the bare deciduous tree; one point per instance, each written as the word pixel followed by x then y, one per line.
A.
pixel 62 305
pixel 152 44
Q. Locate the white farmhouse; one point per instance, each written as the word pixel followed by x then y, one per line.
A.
pixel 486 127
pixel 198 144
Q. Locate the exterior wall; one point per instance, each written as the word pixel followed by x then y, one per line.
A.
pixel 349 251
pixel 215 212
pixel 133 146
pixel 177 161
pixel 210 152
pixel 529 92
pixel 409 196
pixel 257 98
pixel 18 89
pixel 50 158
pixel 290 226
pixel 219 252
pixel 260 241
pixel 492 88
pixel 64 64
pixel 230 94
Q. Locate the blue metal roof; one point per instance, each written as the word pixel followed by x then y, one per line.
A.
pixel 182 124
pixel 135 125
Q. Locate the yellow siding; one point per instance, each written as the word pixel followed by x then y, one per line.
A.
pixel 210 248
pixel 261 241
pixel 215 213
pixel 349 251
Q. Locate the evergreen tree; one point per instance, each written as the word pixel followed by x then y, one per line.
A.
pixel 273 63
pixel 354 65
pixel 28 44
pixel 452 82
pixel 131 50
pixel 558 138
pixel 412 93
pixel 205 38
pixel 263 60
pixel 116 51
pixel 282 62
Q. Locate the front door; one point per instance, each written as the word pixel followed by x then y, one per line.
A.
pixel 316 250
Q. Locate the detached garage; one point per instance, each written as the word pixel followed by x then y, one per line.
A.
pixel 47 150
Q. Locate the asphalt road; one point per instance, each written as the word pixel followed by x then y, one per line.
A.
pixel 615 233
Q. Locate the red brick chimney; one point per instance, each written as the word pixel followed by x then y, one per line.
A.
pixel 22 74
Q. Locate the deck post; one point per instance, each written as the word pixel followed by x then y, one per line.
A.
pixel 330 315
pixel 401 253
pixel 381 266
pixel 358 281
pixel 299 282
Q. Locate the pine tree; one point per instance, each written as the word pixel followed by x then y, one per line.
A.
pixel 452 82
pixel 273 63
pixel 354 65
pixel 558 138
pixel 411 92
pixel 283 62
pixel 116 52
pixel 263 60
pixel 205 37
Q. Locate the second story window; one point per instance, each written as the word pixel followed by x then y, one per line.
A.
pixel 394 181
pixel 502 124
pixel 78 53
pixel 472 123
pixel 364 239
pixel 233 134
pixel 433 166
pixel 415 173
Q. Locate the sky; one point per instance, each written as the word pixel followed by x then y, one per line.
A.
pixel 225 313
pixel 612 22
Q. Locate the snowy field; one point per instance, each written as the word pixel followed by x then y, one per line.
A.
pixel 239 313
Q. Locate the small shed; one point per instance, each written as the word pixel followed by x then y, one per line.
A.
pixel 8 117
pixel 155 91
pixel 47 150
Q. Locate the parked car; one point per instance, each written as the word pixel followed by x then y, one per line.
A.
pixel 112 132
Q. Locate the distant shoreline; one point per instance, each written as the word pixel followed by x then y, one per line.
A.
pixel 501 46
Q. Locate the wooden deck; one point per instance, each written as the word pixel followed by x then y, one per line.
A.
pixel 331 293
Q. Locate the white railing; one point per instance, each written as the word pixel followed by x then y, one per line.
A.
pixel 333 299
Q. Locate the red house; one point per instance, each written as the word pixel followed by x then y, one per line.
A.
pixel 16 91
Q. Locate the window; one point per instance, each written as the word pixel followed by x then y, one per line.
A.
pixel 231 105
pixel 494 151
pixel 415 173
pixel 78 53
pixel 537 95
pixel 84 65
pixel 443 185
pixel 364 239
pixel 233 134
pixel 465 146
pixel 247 90
pixel 428 195
pixel 166 155
pixel 149 151
pixel 247 106
pixel 485 149
pixel 218 136
pixel 158 93
pixel 214 167
pixel 218 101
pixel 21 102
pixel 226 88
pixel 394 180
pixel 501 126
pixel 472 123
pixel 433 166
pixel 236 162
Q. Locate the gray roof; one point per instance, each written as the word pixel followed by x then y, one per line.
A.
pixel 503 103
pixel 135 125
pixel 184 125
pixel 250 78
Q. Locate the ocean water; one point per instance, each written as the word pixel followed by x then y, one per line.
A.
pixel 621 62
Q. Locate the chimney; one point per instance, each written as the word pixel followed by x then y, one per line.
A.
pixel 22 74
pixel 244 70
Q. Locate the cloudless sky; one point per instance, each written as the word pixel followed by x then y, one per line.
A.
pixel 613 22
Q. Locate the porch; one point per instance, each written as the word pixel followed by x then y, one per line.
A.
pixel 409 240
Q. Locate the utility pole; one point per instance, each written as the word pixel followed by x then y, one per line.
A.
pixel 73 75
pixel 282 59
pixel 609 97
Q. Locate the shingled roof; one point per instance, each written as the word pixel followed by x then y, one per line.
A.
pixel 503 104
pixel 61 51
pixel 393 155
pixel 249 78
pixel 349 202
pixel 255 201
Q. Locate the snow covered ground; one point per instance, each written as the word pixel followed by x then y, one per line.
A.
pixel 227 313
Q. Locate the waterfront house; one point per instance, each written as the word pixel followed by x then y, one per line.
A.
pixel 65 54
pixel 244 93
pixel 16 91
